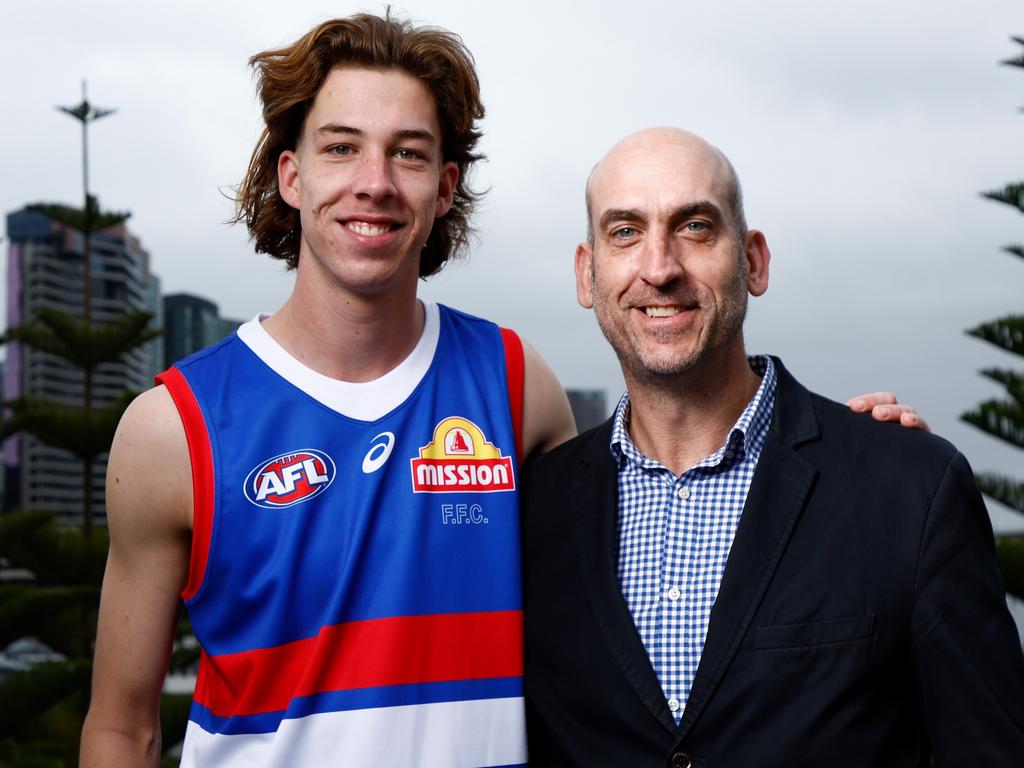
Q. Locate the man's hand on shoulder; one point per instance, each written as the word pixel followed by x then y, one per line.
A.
pixel 883 407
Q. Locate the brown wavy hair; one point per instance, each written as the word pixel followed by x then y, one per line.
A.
pixel 288 81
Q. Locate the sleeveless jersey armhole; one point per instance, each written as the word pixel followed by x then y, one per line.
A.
pixel 201 460
pixel 515 371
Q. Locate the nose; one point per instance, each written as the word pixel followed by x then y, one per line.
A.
pixel 373 178
pixel 661 262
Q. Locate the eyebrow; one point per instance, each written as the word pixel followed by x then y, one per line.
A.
pixel 405 134
pixel 699 208
pixel 619 214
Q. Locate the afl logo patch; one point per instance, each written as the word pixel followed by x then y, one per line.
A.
pixel 289 478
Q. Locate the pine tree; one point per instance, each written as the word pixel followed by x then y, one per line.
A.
pixel 1003 417
pixel 42 707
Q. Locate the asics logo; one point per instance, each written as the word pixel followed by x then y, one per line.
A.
pixel 379 452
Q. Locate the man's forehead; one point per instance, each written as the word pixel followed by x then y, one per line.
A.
pixel 657 174
pixel 373 92
pixel 356 101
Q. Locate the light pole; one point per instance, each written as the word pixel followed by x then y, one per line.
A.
pixel 86 113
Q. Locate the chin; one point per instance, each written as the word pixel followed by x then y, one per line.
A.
pixel 667 368
pixel 654 367
pixel 671 361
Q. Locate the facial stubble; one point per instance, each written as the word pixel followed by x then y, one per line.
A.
pixel 719 331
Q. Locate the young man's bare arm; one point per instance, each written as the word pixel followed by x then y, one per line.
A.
pixel 547 417
pixel 149 500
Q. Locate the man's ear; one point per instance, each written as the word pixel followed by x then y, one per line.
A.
pixel 446 188
pixel 585 275
pixel 756 252
pixel 288 178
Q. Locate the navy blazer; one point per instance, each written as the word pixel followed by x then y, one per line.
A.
pixel 861 619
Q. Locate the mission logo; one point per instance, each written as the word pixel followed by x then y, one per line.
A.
pixel 459 459
pixel 289 479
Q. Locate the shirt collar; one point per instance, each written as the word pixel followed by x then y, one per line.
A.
pixel 746 436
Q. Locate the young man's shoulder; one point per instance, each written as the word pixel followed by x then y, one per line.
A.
pixel 149 473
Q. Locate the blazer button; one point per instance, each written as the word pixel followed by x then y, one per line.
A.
pixel 681 760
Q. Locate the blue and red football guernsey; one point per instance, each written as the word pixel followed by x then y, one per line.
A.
pixel 354 580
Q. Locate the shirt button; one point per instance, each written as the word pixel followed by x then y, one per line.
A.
pixel 674 593
pixel 684 493
pixel 673 704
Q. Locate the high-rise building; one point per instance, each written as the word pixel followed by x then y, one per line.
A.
pixel 588 407
pixel 44 270
pixel 191 323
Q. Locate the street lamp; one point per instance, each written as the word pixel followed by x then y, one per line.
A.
pixel 86 113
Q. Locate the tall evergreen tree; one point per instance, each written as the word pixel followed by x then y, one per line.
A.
pixel 42 707
pixel 1003 417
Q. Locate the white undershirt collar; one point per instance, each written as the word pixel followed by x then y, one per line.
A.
pixel 366 401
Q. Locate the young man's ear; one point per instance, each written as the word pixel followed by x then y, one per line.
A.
pixel 446 189
pixel 288 178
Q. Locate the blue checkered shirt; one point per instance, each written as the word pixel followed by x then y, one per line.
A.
pixel 675 533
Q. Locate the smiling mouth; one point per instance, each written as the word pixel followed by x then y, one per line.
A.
pixel 369 230
pixel 663 311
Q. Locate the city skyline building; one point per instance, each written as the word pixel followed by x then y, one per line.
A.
pixel 191 323
pixel 588 407
pixel 44 270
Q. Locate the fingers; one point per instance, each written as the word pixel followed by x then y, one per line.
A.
pixel 913 420
pixel 905 415
pixel 865 403
pixel 883 406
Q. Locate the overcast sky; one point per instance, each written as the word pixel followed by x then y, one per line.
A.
pixel 862 133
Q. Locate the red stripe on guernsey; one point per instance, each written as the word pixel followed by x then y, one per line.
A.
pixel 364 654
pixel 515 370
pixel 201 458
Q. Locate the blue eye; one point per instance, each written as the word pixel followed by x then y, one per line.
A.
pixel 340 149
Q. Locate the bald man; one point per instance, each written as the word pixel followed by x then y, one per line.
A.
pixel 734 571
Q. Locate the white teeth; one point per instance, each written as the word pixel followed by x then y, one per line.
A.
pixel 662 311
pixel 371 230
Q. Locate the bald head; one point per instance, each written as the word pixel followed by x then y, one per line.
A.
pixel 651 149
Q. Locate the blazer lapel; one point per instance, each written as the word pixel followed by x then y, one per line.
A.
pixel 777 496
pixel 595 498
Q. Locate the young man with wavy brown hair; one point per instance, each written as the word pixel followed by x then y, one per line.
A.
pixel 333 490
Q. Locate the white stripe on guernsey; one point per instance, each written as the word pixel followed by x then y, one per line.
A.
pixel 457 734
pixel 369 400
